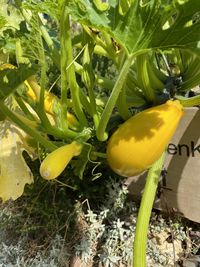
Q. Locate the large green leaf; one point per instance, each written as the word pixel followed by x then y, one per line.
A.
pixel 10 17
pixel 144 26
pixel 10 79
pixel 52 7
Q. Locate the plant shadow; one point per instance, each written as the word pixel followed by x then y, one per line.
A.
pixel 149 123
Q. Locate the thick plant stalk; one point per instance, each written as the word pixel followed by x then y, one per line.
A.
pixel 189 102
pixel 63 65
pixel 143 77
pixel 140 242
pixel 71 77
pixel 101 130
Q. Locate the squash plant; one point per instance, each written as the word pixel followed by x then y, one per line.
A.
pixel 153 46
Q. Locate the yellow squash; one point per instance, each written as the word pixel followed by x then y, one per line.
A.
pixel 141 140
pixel 50 100
pixel 55 162
pixel 33 92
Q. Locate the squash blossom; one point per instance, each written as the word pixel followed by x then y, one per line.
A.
pixel 141 140
pixel 55 162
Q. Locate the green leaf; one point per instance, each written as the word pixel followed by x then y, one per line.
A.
pixel 50 7
pixel 10 16
pixel 10 79
pixel 154 24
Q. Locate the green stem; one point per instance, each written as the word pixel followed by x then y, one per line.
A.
pixel 74 88
pixel 85 102
pixel 189 102
pixel 109 50
pixel 102 81
pixel 63 65
pixel 179 61
pixel 54 130
pixel 98 154
pixel 24 108
pixel 101 134
pixel 143 77
pixel 19 53
pixel 109 47
pixel 32 132
pixel 54 52
pixel 41 108
pixel 41 111
pixel 122 105
pixel 63 58
pixel 191 82
pixel 88 78
pixel 140 242
pixel 191 64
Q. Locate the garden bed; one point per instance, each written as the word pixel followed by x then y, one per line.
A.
pixel 49 228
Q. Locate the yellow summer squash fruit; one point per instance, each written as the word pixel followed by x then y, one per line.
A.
pixel 33 92
pixel 55 162
pixel 141 140
pixel 50 100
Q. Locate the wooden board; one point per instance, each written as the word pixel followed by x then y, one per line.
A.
pixel 181 189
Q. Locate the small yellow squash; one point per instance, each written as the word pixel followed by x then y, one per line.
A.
pixel 49 101
pixel 33 91
pixel 55 162
pixel 141 140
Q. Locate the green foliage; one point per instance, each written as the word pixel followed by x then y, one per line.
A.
pixel 52 8
pixel 10 79
pixel 142 28
pixel 9 21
